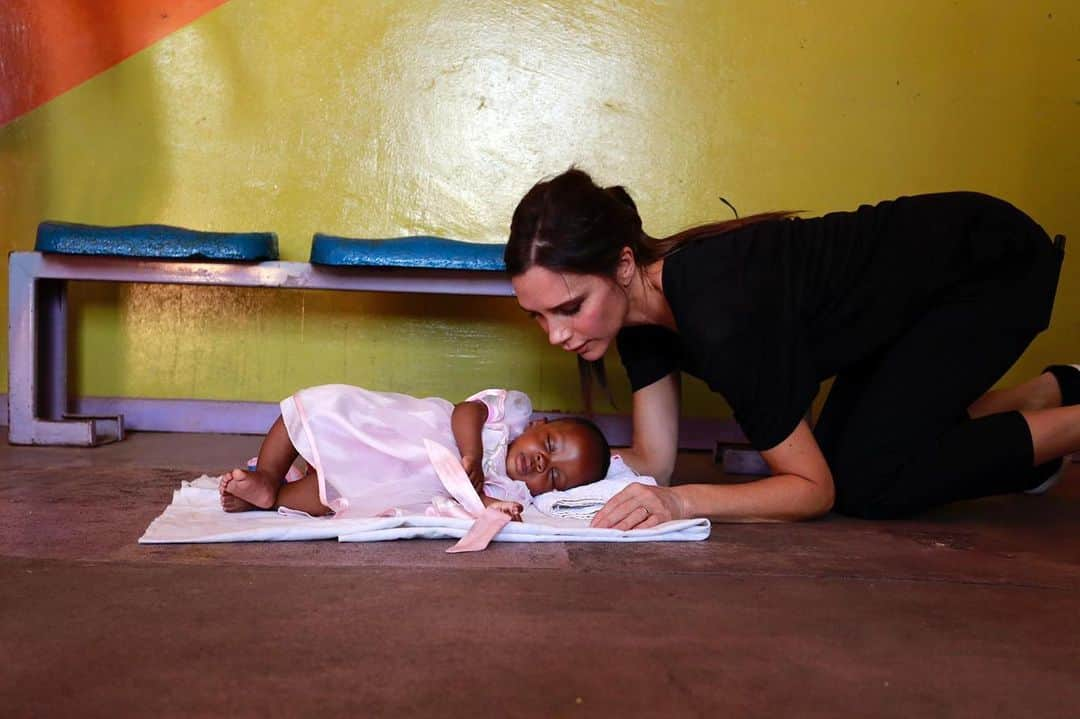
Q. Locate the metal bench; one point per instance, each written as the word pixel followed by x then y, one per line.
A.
pixel 158 254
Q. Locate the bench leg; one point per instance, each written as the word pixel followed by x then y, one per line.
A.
pixel 51 308
pixel 37 364
pixel 22 346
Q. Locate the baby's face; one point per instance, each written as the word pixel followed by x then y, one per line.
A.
pixel 553 455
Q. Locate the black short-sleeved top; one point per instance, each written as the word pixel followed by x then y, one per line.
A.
pixel 767 311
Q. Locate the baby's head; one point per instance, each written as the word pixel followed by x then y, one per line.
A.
pixel 558 454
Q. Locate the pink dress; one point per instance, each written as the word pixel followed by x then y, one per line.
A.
pixel 368 447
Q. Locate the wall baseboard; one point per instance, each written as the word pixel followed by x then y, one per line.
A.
pixel 230 417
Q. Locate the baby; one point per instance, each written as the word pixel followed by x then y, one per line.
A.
pixel 365 453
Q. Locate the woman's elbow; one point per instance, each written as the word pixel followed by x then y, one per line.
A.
pixel 821 499
pixel 661 469
pixel 821 509
pixel 808 498
pixel 648 464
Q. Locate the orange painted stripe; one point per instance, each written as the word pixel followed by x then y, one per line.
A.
pixel 48 47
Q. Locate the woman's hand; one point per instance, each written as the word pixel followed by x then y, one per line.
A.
pixel 474 469
pixel 640 506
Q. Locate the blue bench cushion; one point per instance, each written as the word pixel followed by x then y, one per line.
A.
pixel 421 252
pixel 160 242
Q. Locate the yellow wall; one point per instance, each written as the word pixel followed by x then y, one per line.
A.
pixel 387 118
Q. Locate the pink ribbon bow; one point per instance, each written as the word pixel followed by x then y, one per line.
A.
pixel 487 522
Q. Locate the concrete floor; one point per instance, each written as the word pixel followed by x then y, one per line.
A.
pixel 970 611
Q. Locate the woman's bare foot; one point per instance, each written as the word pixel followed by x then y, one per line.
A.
pixel 1042 392
pixel 254 490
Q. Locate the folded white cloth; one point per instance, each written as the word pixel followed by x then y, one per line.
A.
pixel 195 516
pixel 585 501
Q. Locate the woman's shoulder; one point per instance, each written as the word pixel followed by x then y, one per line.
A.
pixel 635 339
pixel 648 352
pixel 718 280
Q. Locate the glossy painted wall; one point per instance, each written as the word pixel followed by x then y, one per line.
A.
pixel 387 118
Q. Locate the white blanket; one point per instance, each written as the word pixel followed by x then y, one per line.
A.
pixel 585 501
pixel 195 516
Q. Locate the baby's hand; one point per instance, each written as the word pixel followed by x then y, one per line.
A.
pixel 511 508
pixel 475 471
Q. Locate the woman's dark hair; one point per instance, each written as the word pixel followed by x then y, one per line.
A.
pixel 570 224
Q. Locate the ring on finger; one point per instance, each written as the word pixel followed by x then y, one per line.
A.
pixel 645 509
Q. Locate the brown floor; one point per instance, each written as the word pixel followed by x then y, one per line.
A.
pixel 972 611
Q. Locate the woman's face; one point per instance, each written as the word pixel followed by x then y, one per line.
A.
pixel 580 313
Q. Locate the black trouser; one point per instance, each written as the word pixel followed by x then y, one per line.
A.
pixel 895 428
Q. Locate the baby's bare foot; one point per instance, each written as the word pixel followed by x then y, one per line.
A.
pixel 229 503
pixel 234 504
pixel 255 489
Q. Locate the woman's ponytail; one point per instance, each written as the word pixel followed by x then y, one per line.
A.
pixel 619 193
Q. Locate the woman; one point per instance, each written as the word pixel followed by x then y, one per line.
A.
pixel 916 306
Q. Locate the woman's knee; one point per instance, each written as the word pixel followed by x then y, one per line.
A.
pixel 862 507
pixel 865 493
